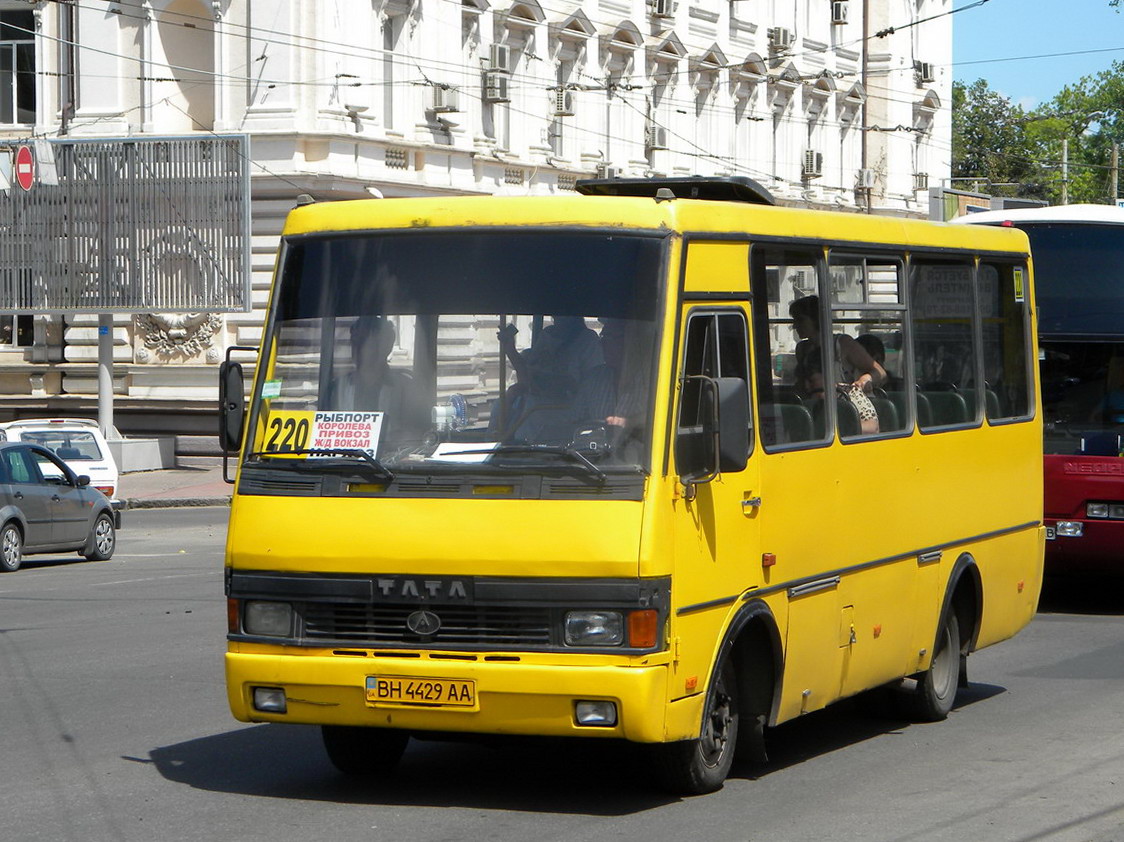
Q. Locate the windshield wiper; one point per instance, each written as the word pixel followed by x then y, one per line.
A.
pixel 378 468
pixel 571 453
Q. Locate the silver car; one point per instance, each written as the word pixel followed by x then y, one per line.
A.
pixel 46 508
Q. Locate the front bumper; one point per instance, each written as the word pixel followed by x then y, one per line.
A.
pixel 513 697
pixel 1099 550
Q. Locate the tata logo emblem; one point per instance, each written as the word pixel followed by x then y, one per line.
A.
pixel 394 588
pixel 423 623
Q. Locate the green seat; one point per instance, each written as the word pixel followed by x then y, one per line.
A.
pixel 786 423
pixel 947 408
pixel 888 419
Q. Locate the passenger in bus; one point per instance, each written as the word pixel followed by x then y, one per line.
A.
pixel 856 367
pixel 373 386
pixel 877 350
pixel 558 360
pixel 554 377
pixel 856 374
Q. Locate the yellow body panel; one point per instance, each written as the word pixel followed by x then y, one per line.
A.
pixel 845 511
pixel 436 537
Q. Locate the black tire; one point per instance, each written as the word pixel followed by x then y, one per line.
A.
pixel 695 767
pixel 364 751
pixel 11 547
pixel 103 539
pixel 937 686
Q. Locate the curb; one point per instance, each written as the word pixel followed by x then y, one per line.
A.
pixel 174 502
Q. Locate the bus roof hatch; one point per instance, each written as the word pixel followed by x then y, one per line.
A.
pixel 713 188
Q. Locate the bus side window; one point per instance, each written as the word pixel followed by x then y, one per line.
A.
pixel 788 413
pixel 944 349
pixel 860 283
pixel 1003 306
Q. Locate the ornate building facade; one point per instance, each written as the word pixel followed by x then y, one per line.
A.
pixel 831 103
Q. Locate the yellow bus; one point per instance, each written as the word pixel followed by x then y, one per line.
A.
pixel 658 461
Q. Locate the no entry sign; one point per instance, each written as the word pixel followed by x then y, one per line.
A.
pixel 25 167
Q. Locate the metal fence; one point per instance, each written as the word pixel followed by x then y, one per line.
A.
pixel 126 225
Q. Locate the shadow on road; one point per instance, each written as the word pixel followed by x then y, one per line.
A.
pixel 582 777
pixel 45 561
pixel 852 721
pixel 533 775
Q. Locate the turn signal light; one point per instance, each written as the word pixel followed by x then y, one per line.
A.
pixel 232 624
pixel 642 629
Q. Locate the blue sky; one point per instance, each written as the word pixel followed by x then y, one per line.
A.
pixel 1009 29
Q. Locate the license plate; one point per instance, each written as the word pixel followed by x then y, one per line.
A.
pixel 401 690
pixel 1051 533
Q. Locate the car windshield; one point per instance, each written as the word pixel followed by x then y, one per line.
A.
pixel 67 444
pixel 463 351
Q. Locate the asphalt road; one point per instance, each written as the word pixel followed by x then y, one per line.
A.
pixel 114 726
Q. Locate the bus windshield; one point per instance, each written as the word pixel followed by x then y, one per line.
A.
pixel 463 351
pixel 1080 295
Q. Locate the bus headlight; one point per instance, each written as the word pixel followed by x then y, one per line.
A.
pixel 1071 528
pixel 594 628
pixel 272 619
pixel 1096 510
pixel 1116 511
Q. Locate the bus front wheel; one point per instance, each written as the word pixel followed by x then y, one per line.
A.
pixel 694 767
pixel 363 751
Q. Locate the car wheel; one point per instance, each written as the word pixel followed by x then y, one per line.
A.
pixel 103 539
pixel 694 767
pixel 362 751
pixel 11 548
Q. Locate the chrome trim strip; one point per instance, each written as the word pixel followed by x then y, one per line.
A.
pixel 814 587
pixel 714 603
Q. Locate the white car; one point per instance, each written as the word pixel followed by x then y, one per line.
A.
pixel 76 441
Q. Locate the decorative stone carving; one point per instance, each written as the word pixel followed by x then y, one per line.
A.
pixel 177 336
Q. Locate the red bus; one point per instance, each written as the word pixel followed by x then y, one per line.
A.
pixel 1078 257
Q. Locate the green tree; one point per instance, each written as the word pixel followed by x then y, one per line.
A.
pixel 990 142
pixel 1089 115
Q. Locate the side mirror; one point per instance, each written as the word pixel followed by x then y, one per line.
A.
pixel 232 405
pixel 733 424
pixel 82 480
pixel 720 441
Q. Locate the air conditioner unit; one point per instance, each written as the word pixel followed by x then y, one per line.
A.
pixel 926 73
pixel 495 87
pixel 563 103
pixel 813 163
pixel 663 8
pixel 838 11
pixel 921 181
pixel 445 99
pixel 656 137
pixel 780 39
pixel 802 281
pixel 606 171
pixel 865 178
pixel 499 57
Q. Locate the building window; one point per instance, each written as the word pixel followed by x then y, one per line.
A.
pixel 16 331
pixel 17 67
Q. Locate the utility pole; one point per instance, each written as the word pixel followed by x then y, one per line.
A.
pixel 1065 170
pixel 1114 173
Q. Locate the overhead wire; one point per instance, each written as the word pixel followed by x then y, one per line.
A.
pixel 535 82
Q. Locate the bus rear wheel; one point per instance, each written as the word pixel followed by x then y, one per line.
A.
pixel 936 687
pixel 363 751
pixel 695 767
